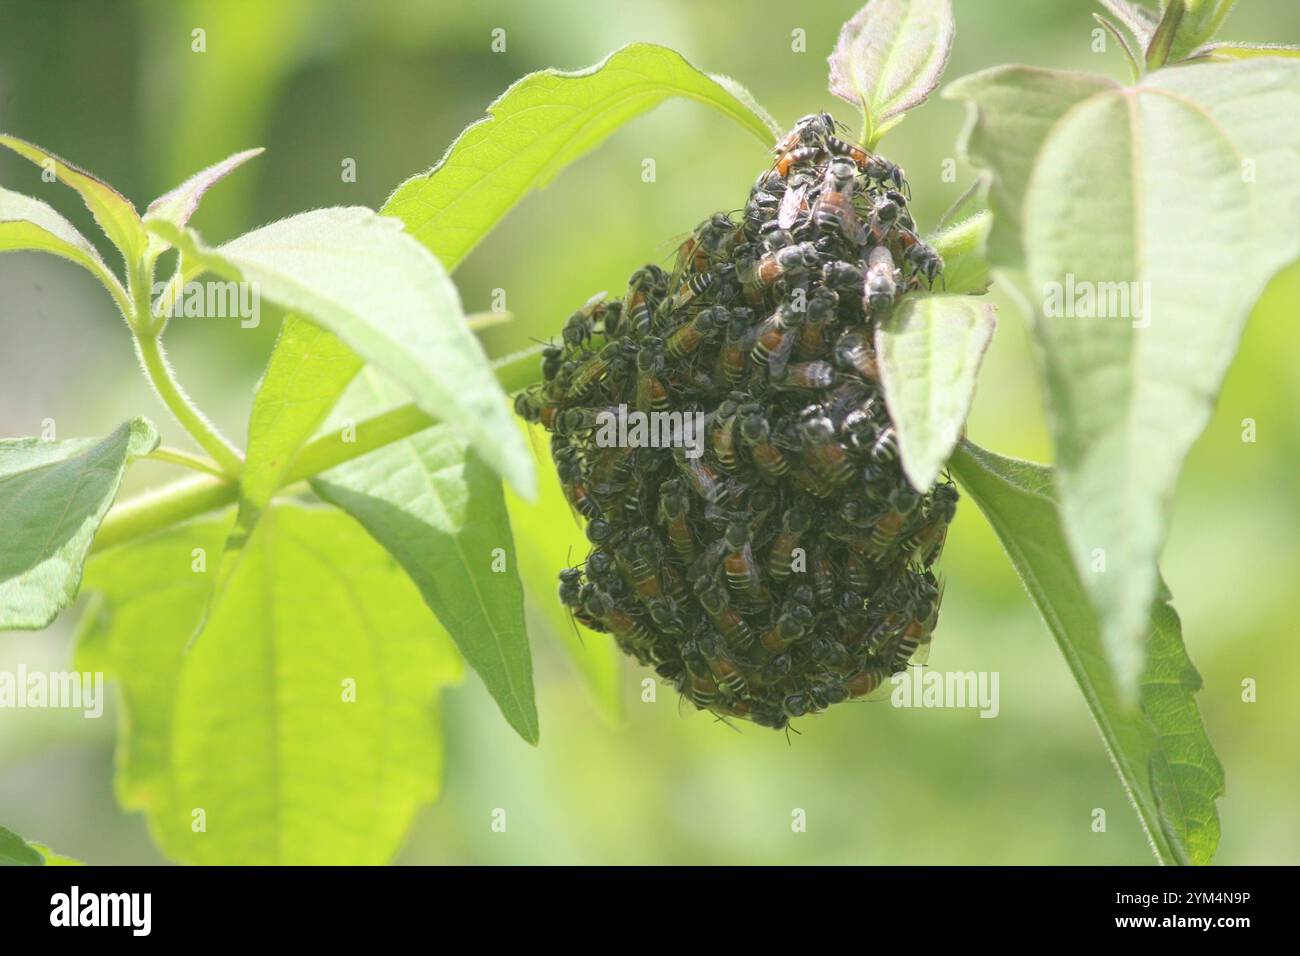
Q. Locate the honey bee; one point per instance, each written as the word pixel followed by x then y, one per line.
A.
pixel 756 433
pixel 690 335
pixel 651 393
pixel 812 333
pixel 722 431
pixel 674 509
pixel 842 276
pixel 823 452
pixel 780 264
pixel 890 524
pixel 703 479
pixel 926 544
pixel 740 336
pixel 875 167
pixel 777 335
pixel 648 284
pixel 923 259
pixel 854 352
pixel 572 480
pixel 793 202
pixel 725 670
pixel 741 571
pixel 815 375
pixel 794 525
pixel 803 156
pixel 881 283
pixel 789 628
pixel 578 329
pixel 711 242
pixel 834 206
pixel 813 128
pixel 728 620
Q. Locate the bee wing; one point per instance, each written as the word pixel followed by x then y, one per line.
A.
pixel 590 305
pixel 791 203
pixel 852 226
pixel 779 357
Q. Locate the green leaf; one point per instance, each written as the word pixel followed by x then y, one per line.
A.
pixel 29 224
pixel 308 370
pixel 360 276
pixel 1130 57
pixel 550 538
pixel 434 505
pixel 889 59
pixel 1142 306
pixel 113 211
pixel 541 124
pixel 1160 749
pixel 1135 17
pixel 254 726
pixel 930 351
pixel 1011 109
pixel 15 851
pixel 964 247
pixel 178 205
pixel 1222 52
pixel 1162 41
pixel 1198 22
pixel 53 495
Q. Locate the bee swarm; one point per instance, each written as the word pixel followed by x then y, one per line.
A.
pixel 788 567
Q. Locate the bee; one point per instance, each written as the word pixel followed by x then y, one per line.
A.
pixel 803 156
pixel 813 128
pixel 756 433
pixel 808 375
pixel 651 393
pixel 923 259
pixel 741 332
pixel 875 167
pixel 858 574
pixel 742 572
pixel 630 632
pixel 647 286
pixel 842 276
pixel 777 335
pixel 576 490
pixel 690 335
pixel 711 242
pixel 834 206
pixel 793 203
pixel 823 575
pixel 890 524
pixel 917 632
pixel 728 620
pixel 884 450
pixel 703 479
pixel 854 352
pixel 593 371
pixel 528 404
pixel 823 452
pixel 926 544
pixel 812 333
pixel 725 671
pixel 700 688
pixel 828 652
pixel 781 263
pixel 794 525
pixel 881 284
pixel 578 329
pixel 722 431
pixel 789 628
pixel 638 560
pixel 674 509
pixel 866 680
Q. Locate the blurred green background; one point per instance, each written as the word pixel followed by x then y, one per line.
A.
pixel 116 88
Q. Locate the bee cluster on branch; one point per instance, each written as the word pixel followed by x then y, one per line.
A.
pixel 789 566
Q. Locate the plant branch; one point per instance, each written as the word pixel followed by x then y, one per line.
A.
pixel 186 459
pixel 150 350
pixel 182 500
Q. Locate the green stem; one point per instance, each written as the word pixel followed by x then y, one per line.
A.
pixel 171 504
pixel 186 412
pixel 186 459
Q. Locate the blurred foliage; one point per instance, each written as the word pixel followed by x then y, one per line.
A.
pixel 117 89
